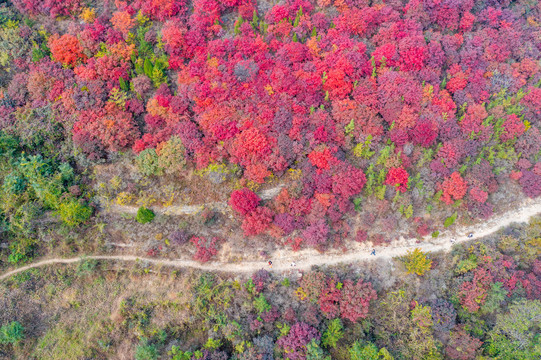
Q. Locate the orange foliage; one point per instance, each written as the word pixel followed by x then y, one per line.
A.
pixel 155 109
pixel 313 46
pixel 122 22
pixel 324 199
pixel 323 3
pixel 88 15
pixel 282 201
pixel 407 119
pixel 321 158
pixel 454 188
pixel 66 49
pixel 122 51
pixel 257 173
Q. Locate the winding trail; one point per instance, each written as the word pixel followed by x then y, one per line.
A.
pixel 305 259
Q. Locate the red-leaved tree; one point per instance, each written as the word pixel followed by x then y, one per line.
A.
pixel 398 178
pixel 454 188
pixel 257 221
pixel 356 299
pixel 66 49
pixel 244 201
pixel 462 346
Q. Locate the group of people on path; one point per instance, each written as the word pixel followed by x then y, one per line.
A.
pixel 293 264
pixel 373 252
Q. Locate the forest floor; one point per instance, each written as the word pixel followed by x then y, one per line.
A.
pixel 282 259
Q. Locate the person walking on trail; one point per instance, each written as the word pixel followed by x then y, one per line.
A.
pixel 270 264
pixel 373 252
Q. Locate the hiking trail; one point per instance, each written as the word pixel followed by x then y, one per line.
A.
pixel 304 260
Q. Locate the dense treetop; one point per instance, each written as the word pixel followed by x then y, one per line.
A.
pixel 394 108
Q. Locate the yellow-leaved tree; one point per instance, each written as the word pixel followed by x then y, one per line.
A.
pixel 416 262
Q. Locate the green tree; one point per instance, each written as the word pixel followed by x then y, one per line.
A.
pixel 333 334
pixel 148 162
pixel 404 331
pixel 421 316
pixel 315 352
pixel 148 68
pixel 494 299
pixel 177 354
pixel 21 249
pixel 416 262
pixel 171 155
pixel 517 333
pixel 368 351
pixel 11 333
pixel 261 304
pixel 144 215
pixel 146 351
pixel 450 220
pixel 212 344
pixel 73 213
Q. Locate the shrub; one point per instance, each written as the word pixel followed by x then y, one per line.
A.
pixel 173 35
pixel 444 315
pixel 513 127
pixel 148 162
pixel 424 133
pixel 312 284
pixel 204 249
pixel 259 279
pixel 144 215
pixel 361 236
pixel 122 22
pixel 163 9
pixel 257 221
pixel 111 127
pixel 261 304
pixel 66 49
pixel 11 333
pixel 73 213
pixel 462 346
pixel 329 299
pixel 531 183
pixel 321 158
pixel 244 201
pixel 315 352
pixel 316 233
pixel 355 300
pixel 171 155
pixel 48 7
pixel 179 237
pixel 294 343
pixel 368 351
pixel 333 333
pixel 454 188
pixel 416 262
pixel 146 351
pixel 450 220
pixel 478 195
pixel 398 178
pixel 86 267
pixel 472 294
pixel 349 182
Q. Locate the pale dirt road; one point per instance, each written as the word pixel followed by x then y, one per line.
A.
pixel 189 209
pixel 305 259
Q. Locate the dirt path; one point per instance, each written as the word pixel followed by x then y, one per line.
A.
pixel 304 260
pixel 190 209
